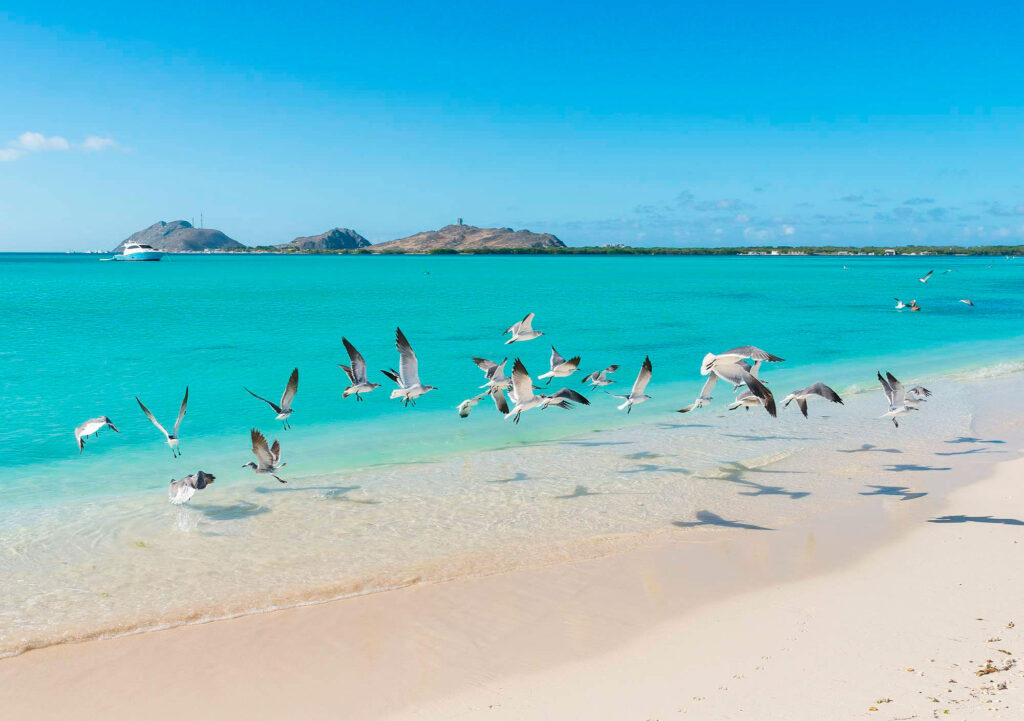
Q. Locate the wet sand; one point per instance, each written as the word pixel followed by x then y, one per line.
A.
pixel 820 619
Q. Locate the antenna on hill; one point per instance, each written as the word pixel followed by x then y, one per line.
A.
pixel 460 221
pixel 200 220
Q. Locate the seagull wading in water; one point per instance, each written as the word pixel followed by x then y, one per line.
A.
pixel 91 428
pixel 560 367
pixel 896 396
pixel 408 375
pixel 637 395
pixel 523 330
pixel 182 490
pixel 733 367
pixel 268 458
pixel 356 373
pixel 523 398
pixel 816 389
pixel 172 438
pixel 284 411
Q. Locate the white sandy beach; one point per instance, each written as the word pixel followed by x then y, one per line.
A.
pixel 898 632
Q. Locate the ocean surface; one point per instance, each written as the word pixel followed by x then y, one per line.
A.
pixel 379 495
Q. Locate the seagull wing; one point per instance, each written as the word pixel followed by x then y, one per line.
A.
pixel 570 395
pixel 290 390
pixel 264 459
pixel 751 352
pixel 927 276
pixel 151 417
pixel 820 389
pixel 408 366
pixel 487 366
pixel 899 395
pixel 886 388
pixel 499 401
pixel 348 372
pixel 526 323
pixel 760 390
pixel 556 359
pixel 180 491
pixel 358 374
pixel 919 390
pixel 522 384
pixel 181 412
pixel 275 451
pixel 273 405
pixel 611 369
pixel 642 379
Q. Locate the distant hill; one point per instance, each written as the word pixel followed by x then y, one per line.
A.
pixel 179 235
pixel 469 237
pixel 335 239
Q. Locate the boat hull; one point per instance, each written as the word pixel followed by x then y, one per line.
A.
pixel 152 255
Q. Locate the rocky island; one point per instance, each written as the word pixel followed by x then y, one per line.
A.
pixel 334 239
pixel 180 236
pixel 459 238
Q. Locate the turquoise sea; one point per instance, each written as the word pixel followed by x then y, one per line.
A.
pixel 381 495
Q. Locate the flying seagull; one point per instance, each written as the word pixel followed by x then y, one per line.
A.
pixel 896 396
pixel 816 389
pixel 900 305
pixel 916 396
pixel 494 373
pixel 182 490
pixel 284 410
pixel 523 330
pixel 407 376
pixel 637 395
pixel 967 301
pixel 734 356
pixel 356 373
pixel 600 378
pixel 523 398
pixel 91 428
pixel 470 403
pixel 560 367
pixel 268 459
pixel 926 276
pixel 172 438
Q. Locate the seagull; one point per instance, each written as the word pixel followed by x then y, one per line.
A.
pixel 926 276
pixel 913 305
pixel 285 409
pixel 897 397
pixel 268 458
pixel 523 330
pixel 600 378
pixel 560 367
pixel 470 403
pixel 494 373
pixel 916 396
pixel 523 399
pixel 91 428
pixel 736 374
pixel 181 491
pixel 356 373
pixel 637 395
pixel 900 305
pixel 734 356
pixel 816 389
pixel 407 376
pixel 967 301
pixel 172 438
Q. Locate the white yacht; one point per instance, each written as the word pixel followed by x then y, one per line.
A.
pixel 139 251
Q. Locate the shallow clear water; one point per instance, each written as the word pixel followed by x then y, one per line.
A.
pixel 381 495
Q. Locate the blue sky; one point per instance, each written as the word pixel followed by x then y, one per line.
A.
pixel 646 124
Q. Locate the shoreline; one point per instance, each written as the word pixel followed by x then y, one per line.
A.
pixel 453 642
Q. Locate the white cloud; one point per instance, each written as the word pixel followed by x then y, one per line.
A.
pixel 30 142
pixel 37 142
pixel 788 230
pixel 94 144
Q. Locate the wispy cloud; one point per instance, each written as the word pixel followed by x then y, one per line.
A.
pixel 918 201
pixel 852 198
pixel 30 142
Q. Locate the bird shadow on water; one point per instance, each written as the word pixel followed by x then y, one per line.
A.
pixel 902 467
pixel 243 509
pixel 579 492
pixel 868 447
pixel 519 476
pixel 671 426
pixel 641 454
pixel 733 473
pixel 970 439
pixel 968 452
pixel 747 437
pixel 327 490
pixel 707 518
pixel 654 468
pixel 977 519
pixel 903 491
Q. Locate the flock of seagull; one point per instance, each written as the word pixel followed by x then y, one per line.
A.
pixel 912 305
pixel 517 394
